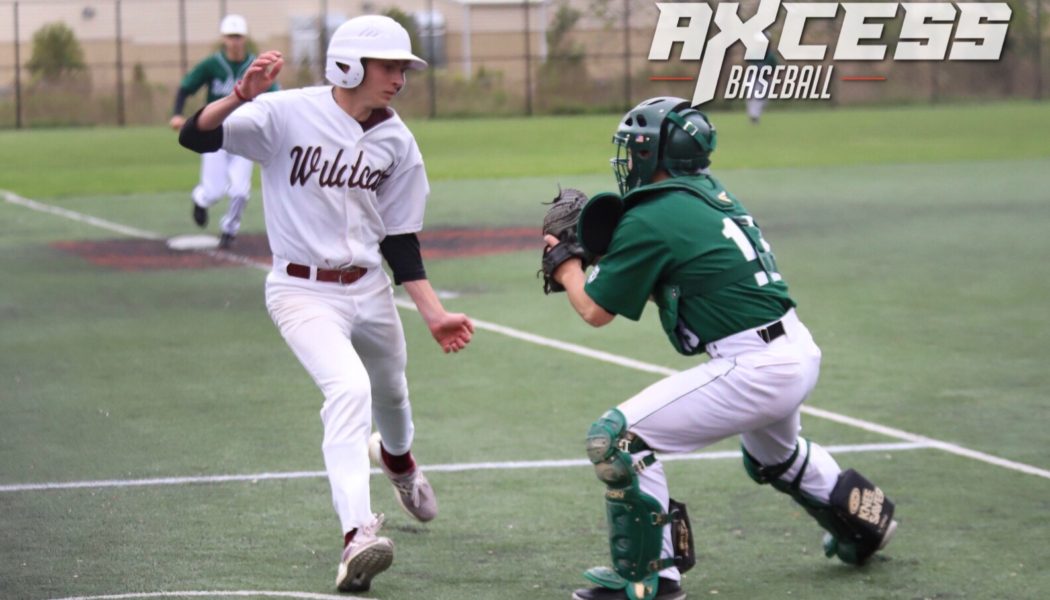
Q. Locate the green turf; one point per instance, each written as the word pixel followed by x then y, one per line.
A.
pixel 920 276
pixel 75 162
pixel 277 535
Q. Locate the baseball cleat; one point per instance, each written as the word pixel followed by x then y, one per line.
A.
pixel 200 215
pixel 667 589
pixel 226 241
pixel 366 556
pixel 412 490
pixel 890 530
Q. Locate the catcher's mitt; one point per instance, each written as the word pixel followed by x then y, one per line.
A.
pixel 560 221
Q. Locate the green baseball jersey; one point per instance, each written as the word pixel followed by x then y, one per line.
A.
pixel 692 235
pixel 219 74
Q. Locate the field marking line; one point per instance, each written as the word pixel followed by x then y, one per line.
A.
pixel 13 198
pixel 577 349
pixel 869 426
pixel 440 468
pixel 218 594
pixel 572 348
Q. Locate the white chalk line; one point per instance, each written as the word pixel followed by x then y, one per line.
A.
pixel 218 594
pixel 79 217
pixel 440 468
pixel 574 348
pixel 809 410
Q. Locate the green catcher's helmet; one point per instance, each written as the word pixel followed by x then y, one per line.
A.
pixel 661 133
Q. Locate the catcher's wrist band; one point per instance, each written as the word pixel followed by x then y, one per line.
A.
pixel 237 92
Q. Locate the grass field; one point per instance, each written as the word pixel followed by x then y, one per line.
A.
pixel 913 239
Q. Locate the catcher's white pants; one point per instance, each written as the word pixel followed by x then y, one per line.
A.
pixel 749 388
pixel 225 174
pixel 349 339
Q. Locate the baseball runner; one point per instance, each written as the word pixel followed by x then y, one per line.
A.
pixel 756 101
pixel 344 187
pixel 222 173
pixel 679 236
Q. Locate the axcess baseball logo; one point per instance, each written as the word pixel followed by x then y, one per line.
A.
pixel 929 31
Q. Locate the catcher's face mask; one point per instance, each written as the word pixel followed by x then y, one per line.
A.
pixel 635 161
pixel 637 146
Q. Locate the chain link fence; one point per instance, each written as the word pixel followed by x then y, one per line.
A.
pixel 489 57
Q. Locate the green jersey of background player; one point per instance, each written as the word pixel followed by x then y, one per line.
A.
pixel 675 235
pixel 222 174
pixel 218 72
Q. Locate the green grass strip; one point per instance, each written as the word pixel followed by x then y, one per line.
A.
pixel 68 162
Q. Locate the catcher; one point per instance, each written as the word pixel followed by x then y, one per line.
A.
pixel 675 234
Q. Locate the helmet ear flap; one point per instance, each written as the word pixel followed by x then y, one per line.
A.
pixel 344 71
pixel 687 143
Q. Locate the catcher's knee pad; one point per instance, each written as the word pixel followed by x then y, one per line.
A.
pixel 636 520
pixel 858 517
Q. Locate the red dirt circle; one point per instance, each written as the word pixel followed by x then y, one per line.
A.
pixel 145 255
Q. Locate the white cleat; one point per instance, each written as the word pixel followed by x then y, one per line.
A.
pixel 890 530
pixel 411 490
pixel 366 556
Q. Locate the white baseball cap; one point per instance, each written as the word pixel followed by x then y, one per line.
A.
pixel 233 25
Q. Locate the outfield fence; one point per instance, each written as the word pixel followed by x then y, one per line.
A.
pixel 489 57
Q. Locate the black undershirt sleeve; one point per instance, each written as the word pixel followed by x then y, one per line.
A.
pixel 180 100
pixel 403 255
pixel 200 141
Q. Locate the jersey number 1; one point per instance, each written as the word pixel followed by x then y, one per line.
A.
pixel 733 231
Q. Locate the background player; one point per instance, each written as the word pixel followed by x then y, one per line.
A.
pixel 344 186
pixel 222 174
pixel 756 101
pixel 682 238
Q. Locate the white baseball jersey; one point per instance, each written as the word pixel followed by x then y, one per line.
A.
pixel 331 190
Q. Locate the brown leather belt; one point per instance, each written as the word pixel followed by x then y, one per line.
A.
pixel 343 276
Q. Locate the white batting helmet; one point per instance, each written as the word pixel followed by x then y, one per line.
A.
pixel 369 36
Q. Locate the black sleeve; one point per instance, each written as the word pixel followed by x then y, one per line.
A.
pixel 200 141
pixel 402 254
pixel 180 100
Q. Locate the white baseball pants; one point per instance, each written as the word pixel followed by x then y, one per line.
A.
pixel 350 340
pixel 225 174
pixel 757 101
pixel 754 108
pixel 748 388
